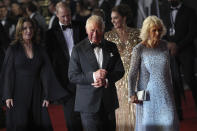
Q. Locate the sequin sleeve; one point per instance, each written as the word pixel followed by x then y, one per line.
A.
pixel 134 69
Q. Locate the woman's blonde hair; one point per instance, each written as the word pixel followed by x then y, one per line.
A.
pixel 148 23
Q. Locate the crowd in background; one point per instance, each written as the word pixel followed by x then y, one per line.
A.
pixel 131 18
pixel 11 10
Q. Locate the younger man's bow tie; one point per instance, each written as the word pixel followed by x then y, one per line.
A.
pixel 64 27
pixel 96 45
pixel 174 8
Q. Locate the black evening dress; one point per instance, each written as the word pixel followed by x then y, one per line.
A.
pixel 28 82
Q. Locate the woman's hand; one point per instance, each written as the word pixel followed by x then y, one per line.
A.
pixel 172 47
pixel 9 103
pixel 134 99
pixel 45 103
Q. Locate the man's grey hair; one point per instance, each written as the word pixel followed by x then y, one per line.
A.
pixel 96 19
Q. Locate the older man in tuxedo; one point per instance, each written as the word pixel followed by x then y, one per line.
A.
pixel 60 40
pixel 95 66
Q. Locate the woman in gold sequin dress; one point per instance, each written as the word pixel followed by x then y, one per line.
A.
pixel 125 38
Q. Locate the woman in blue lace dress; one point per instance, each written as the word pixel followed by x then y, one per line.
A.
pixel 150 71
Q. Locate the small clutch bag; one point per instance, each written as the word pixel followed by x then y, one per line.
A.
pixel 142 95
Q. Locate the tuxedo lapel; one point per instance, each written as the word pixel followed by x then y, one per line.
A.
pixel 178 16
pixel 75 33
pixel 62 42
pixel 89 53
pixel 106 55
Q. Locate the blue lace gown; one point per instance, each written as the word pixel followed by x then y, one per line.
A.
pixel 153 67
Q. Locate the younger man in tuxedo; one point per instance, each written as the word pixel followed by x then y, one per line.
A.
pixel 60 40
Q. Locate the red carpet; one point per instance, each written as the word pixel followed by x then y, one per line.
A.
pixel 188 124
pixel 57 118
pixel 189 114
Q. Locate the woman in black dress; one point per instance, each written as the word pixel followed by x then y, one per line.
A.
pixel 28 81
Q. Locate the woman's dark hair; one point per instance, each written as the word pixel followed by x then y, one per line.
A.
pixel 19 29
pixel 125 11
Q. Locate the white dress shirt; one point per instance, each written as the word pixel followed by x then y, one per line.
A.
pixel 3 22
pixel 99 56
pixel 51 21
pixel 32 15
pixel 68 35
pixel 174 12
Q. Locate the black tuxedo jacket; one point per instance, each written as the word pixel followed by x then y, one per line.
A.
pixel 58 51
pixel 81 67
pixel 55 22
pixel 4 42
pixel 106 7
pixel 185 29
pixel 8 24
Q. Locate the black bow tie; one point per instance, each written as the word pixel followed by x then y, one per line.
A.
pixel 174 8
pixel 64 27
pixel 93 45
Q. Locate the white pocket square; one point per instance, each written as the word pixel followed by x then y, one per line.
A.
pixel 111 54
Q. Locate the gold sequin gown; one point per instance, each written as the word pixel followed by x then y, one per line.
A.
pixel 125 114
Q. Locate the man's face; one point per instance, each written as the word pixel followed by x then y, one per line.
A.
pixel 3 12
pixel 155 33
pixel 64 16
pixel 15 8
pixel 95 32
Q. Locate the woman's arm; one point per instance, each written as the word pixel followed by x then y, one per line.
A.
pixel 7 77
pixel 133 72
